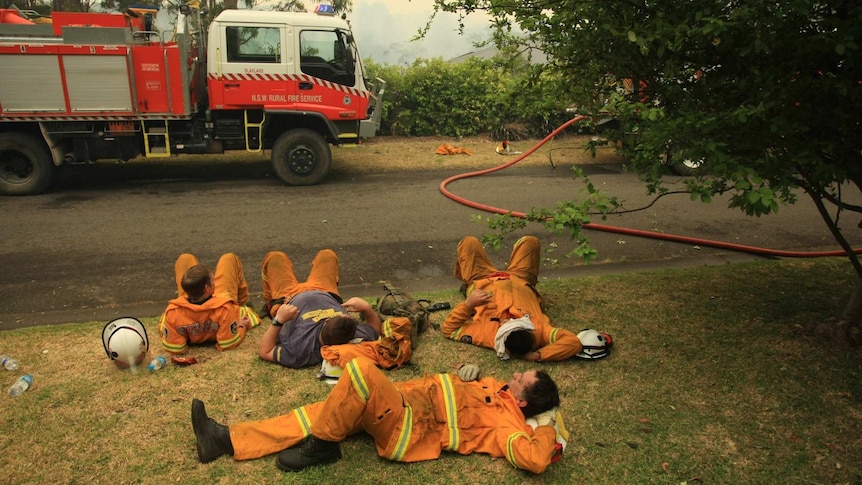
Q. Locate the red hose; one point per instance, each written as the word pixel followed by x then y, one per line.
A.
pixel 624 230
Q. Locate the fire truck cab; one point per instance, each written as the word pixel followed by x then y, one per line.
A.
pixel 92 86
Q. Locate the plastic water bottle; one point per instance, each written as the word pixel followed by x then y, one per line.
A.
pixel 8 362
pixel 22 384
pixel 157 363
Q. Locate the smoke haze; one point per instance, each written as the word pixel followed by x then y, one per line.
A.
pixel 383 29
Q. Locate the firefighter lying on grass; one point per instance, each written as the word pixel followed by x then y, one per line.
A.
pixel 209 307
pixel 481 415
pixel 502 310
pixel 304 315
pixel 311 326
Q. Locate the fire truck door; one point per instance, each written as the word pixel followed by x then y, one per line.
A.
pixel 252 67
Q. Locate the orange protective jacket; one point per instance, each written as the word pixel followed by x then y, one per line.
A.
pixel 410 421
pixel 215 320
pixel 392 350
pixel 512 297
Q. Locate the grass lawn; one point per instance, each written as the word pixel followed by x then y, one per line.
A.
pixel 715 378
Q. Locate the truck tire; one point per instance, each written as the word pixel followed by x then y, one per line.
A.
pixel 301 157
pixel 686 166
pixel 26 167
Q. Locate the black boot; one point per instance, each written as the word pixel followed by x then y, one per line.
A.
pixel 213 438
pixel 312 451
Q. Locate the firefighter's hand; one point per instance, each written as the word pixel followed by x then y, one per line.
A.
pixel 468 372
pixel 547 418
pixel 286 313
pixel 477 298
pixel 532 356
pixel 356 304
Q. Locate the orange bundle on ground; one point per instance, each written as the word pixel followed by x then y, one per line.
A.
pixel 445 149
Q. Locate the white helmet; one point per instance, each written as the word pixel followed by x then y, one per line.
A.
pixel 329 373
pixel 594 344
pixel 125 341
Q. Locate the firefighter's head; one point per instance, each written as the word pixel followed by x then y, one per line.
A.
pixel 197 282
pixel 535 391
pixel 520 342
pixel 338 330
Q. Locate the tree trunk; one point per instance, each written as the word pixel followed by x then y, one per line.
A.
pixel 847 330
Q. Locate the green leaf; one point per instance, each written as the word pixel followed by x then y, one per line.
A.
pixel 632 36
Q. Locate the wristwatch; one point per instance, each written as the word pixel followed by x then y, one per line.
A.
pixel 276 323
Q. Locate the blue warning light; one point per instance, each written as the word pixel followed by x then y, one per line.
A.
pixel 324 10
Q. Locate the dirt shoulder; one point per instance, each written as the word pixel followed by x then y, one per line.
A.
pixel 393 153
pixel 419 153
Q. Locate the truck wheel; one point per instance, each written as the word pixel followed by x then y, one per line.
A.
pixel 26 167
pixel 685 166
pixel 301 157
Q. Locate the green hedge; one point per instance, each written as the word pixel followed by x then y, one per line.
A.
pixel 505 100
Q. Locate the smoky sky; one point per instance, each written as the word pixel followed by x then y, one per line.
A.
pixel 384 31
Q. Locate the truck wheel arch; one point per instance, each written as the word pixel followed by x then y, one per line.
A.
pixel 301 157
pixel 26 166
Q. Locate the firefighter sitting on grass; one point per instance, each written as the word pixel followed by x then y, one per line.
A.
pixel 502 310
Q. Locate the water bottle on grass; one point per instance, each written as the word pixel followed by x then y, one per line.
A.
pixel 22 384
pixel 157 363
pixel 8 362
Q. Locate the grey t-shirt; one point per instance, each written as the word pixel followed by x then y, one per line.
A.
pixel 298 344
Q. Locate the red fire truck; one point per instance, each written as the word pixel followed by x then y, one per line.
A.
pixel 97 86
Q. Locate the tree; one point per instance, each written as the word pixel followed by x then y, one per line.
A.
pixel 767 93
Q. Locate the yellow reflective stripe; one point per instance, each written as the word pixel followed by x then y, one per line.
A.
pixel 553 336
pixel 454 335
pixel 404 437
pixel 174 348
pixel 510 451
pixel 304 420
pixel 451 412
pixel 358 379
pixel 253 319
pixel 387 328
pixel 227 343
pixel 170 347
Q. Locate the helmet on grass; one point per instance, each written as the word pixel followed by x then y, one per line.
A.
pixel 594 344
pixel 125 341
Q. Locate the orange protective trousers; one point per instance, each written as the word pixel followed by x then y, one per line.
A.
pixel 473 262
pixel 279 279
pixel 229 279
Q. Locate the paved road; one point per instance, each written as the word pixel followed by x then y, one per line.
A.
pixel 103 243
